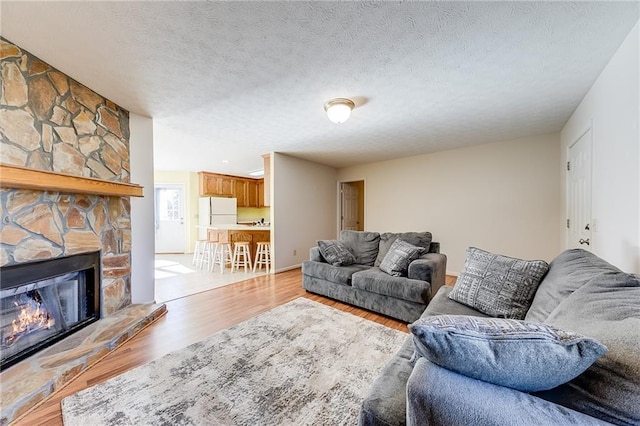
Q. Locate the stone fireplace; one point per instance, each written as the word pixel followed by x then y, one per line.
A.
pixel 44 301
pixel 64 194
pixel 50 122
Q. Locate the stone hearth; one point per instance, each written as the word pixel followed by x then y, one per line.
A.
pixel 30 382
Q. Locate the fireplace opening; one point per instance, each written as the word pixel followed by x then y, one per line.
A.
pixel 44 301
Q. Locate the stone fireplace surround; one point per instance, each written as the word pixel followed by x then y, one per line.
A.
pixel 51 123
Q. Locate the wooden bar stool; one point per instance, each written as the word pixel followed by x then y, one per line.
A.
pixel 241 256
pixel 263 256
pixel 197 253
pixel 222 256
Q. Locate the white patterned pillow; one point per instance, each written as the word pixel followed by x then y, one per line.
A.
pixel 498 285
pixel 399 256
pixel 336 253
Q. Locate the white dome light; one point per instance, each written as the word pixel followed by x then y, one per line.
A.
pixel 339 109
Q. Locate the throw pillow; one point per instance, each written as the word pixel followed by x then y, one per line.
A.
pixel 418 239
pixel 336 253
pixel 399 256
pixel 522 355
pixel 363 245
pixel 498 285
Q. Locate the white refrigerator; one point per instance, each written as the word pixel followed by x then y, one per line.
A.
pixel 216 211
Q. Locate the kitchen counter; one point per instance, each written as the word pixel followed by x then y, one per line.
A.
pixel 239 233
pixel 232 227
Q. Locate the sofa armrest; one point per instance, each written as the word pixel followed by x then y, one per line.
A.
pixel 315 255
pixel 437 396
pixel 430 267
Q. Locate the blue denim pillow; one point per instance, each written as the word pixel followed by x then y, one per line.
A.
pixel 522 355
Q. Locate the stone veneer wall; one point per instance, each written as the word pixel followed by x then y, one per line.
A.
pixel 50 122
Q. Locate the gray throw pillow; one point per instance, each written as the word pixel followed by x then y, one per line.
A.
pixel 363 245
pixel 522 355
pixel 336 253
pixel 399 256
pixel 498 285
pixel 418 239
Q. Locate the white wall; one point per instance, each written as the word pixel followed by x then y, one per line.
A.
pixel 142 231
pixel 303 208
pixel 502 197
pixel 612 106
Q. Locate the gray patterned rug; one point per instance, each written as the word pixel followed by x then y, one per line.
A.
pixel 301 363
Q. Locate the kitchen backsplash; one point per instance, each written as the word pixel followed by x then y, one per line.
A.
pixel 250 214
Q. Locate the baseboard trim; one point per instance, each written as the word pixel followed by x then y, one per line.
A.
pixel 288 268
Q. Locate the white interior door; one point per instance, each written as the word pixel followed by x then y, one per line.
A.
pixel 169 218
pixel 579 224
pixel 349 207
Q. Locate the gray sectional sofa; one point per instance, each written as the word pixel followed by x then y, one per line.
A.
pixel 363 284
pixel 580 292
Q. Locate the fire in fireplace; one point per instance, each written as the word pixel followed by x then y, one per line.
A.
pixel 42 302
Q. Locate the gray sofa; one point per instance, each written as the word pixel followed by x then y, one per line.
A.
pixel 580 292
pixel 363 284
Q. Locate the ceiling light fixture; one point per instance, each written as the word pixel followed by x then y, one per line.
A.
pixel 257 173
pixel 339 109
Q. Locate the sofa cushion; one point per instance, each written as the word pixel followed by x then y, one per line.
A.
pixel 521 355
pixel 363 245
pixel 497 285
pixel 334 274
pixel 336 253
pixel 400 255
pixel 569 271
pixel 419 239
pixel 385 402
pixel 606 308
pixel 438 396
pixel 376 281
pixel 440 304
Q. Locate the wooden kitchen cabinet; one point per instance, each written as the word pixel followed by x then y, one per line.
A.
pixel 208 184
pixel 241 192
pixel 245 190
pixel 213 184
pixel 226 186
pixel 261 193
pixel 251 192
pixel 218 236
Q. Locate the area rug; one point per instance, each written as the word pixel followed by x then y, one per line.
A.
pixel 301 363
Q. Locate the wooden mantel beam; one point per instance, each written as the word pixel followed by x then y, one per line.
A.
pixel 24 178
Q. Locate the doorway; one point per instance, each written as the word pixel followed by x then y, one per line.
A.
pixel 352 206
pixel 579 222
pixel 170 229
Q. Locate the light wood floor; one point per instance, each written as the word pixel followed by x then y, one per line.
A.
pixel 190 320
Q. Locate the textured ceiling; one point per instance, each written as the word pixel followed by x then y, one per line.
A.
pixel 234 80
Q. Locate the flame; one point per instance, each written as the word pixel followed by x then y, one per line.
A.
pixel 30 318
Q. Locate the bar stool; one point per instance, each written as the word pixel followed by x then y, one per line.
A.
pixel 222 256
pixel 263 256
pixel 197 252
pixel 207 254
pixel 241 256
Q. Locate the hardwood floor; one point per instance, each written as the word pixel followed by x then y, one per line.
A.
pixel 190 320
